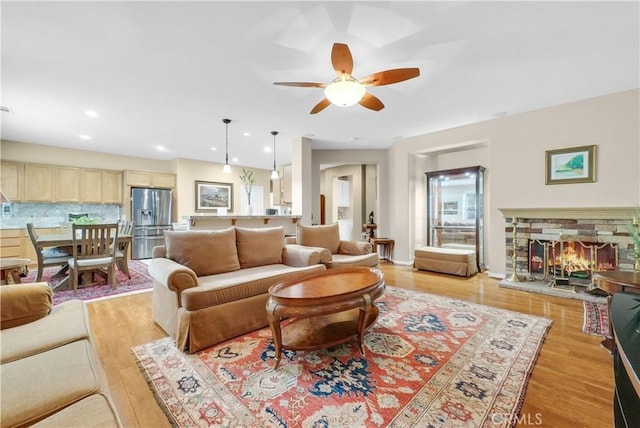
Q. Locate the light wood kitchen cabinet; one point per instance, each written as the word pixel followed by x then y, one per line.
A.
pixel 111 187
pixel 66 184
pixel 11 243
pixel 149 179
pixel 38 183
pixel 11 177
pixel 91 185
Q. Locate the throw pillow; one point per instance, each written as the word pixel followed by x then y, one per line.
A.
pixel 325 236
pixel 24 303
pixel 206 252
pixel 260 246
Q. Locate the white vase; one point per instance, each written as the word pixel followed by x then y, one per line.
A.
pixel 248 210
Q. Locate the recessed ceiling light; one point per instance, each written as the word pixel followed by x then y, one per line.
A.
pixel 215 149
pixel 84 137
pixel 91 113
pixel 235 159
pixel 267 149
pixel 246 134
pixel 161 148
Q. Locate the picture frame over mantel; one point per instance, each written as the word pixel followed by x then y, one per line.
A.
pixel 571 165
pixel 212 197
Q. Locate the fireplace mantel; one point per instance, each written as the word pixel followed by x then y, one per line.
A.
pixel 612 213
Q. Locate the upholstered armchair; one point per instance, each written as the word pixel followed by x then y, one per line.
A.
pixel 337 252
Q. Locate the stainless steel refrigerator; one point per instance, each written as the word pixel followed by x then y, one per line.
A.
pixel 151 210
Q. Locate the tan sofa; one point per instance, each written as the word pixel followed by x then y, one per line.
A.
pixel 339 252
pixel 50 373
pixel 210 286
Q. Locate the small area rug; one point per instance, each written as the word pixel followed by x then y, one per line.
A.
pixel 140 281
pixel 596 319
pixel 430 361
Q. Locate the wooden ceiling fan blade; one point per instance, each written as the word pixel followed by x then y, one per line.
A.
pixel 320 106
pixel 301 84
pixel 371 102
pixel 341 59
pixel 388 77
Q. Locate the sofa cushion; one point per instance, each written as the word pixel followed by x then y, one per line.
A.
pixel 342 260
pixel 68 322
pixel 94 411
pixel 325 236
pixel 260 246
pixel 206 252
pixel 233 286
pixel 35 387
pixel 23 303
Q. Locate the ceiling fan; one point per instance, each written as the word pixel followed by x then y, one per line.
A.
pixel 345 90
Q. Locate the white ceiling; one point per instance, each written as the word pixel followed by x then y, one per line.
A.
pixel 167 73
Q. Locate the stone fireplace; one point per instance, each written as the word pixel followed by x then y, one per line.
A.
pixel 568 243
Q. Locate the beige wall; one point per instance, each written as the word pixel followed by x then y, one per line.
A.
pixel 189 170
pixel 36 153
pixel 515 160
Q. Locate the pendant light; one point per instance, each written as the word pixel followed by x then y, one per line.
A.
pixel 274 173
pixel 227 168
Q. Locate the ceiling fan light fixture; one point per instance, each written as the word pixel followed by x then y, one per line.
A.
pixel 344 91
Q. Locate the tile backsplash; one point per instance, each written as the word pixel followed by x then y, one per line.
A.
pixel 18 214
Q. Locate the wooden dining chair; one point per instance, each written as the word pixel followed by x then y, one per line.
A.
pixel 53 256
pixel 94 250
pixel 122 258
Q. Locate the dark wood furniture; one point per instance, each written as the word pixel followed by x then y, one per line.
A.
pixel 625 322
pixel 387 247
pixel 10 270
pixel 323 309
pixel 612 282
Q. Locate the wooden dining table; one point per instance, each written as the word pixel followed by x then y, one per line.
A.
pixel 66 240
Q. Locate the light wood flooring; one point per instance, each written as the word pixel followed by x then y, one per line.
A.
pixel 571 384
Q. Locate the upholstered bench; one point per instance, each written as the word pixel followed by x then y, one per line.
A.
pixel 446 260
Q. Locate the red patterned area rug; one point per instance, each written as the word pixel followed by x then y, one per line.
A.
pixel 430 361
pixel 140 281
pixel 596 319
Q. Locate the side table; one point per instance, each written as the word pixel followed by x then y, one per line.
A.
pixel 615 281
pixel 387 247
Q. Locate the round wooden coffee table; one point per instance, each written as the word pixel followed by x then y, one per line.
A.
pixel 10 270
pixel 323 309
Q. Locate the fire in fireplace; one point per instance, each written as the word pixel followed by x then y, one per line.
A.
pixel 573 260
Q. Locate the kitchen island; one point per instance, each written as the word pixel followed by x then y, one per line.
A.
pixel 212 222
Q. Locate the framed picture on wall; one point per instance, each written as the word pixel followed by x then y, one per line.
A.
pixel 571 165
pixel 211 196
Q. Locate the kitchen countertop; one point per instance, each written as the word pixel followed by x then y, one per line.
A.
pixel 233 219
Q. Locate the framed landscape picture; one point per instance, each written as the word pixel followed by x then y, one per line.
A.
pixel 571 165
pixel 211 196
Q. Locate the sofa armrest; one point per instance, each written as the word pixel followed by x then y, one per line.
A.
pixel 290 240
pixel 300 255
pixel 159 251
pixel 24 303
pixel 355 248
pixel 173 275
